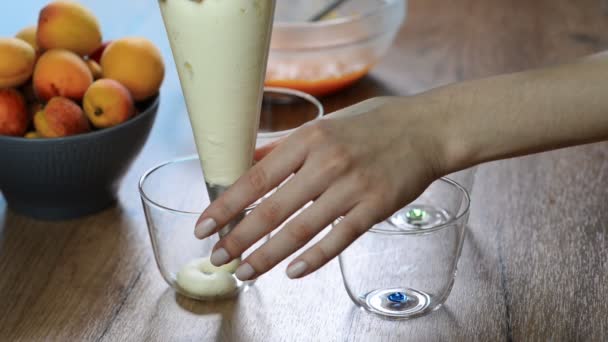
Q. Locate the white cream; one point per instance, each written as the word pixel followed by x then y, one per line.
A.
pixel 200 278
pixel 220 48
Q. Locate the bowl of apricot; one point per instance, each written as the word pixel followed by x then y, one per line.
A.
pixel 75 111
pixel 73 176
pixel 322 46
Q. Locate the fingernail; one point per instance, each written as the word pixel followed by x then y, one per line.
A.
pixel 297 270
pixel 205 228
pixel 219 257
pixel 244 272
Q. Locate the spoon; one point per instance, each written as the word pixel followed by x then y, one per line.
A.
pixel 326 10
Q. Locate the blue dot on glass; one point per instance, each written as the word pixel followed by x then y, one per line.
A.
pixel 397 297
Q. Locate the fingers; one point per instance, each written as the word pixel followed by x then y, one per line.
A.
pixel 255 183
pixel 311 181
pixel 351 227
pixel 326 169
pixel 297 232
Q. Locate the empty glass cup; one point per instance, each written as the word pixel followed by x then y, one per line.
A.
pixel 283 111
pixel 174 195
pixel 465 178
pixel 405 266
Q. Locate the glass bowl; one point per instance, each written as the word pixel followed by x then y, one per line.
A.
pixel 325 56
pixel 405 266
pixel 173 196
pixel 283 111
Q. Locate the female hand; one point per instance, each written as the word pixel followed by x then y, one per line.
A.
pixel 364 163
pixel 369 160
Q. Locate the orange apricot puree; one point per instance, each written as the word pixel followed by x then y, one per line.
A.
pixel 323 83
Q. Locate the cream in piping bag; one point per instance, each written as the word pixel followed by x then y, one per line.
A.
pixel 220 48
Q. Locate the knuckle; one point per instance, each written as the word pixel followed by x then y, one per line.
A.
pixel 323 254
pixel 300 232
pixel 223 209
pixel 258 179
pixel 233 244
pixel 363 180
pixel 340 152
pixel 338 161
pixel 318 132
pixel 261 260
pixel 377 204
pixel 378 209
pixel 270 211
pixel 349 231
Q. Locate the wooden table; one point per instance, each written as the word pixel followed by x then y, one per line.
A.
pixel 534 266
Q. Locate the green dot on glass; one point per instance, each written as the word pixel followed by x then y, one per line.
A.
pixel 416 215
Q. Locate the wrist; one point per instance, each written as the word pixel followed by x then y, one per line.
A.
pixel 444 118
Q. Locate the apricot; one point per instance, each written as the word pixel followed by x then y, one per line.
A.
pixel 33 108
pixel 13 113
pixel 68 25
pixel 31 100
pixel 108 103
pixel 28 92
pixel 96 55
pixel 28 35
pixel 32 135
pixel 61 117
pixel 137 64
pixel 95 69
pixel 17 60
pixel 61 73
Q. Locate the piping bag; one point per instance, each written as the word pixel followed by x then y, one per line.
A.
pixel 221 50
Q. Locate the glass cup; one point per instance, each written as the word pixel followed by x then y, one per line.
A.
pixel 283 111
pixel 405 266
pixel 466 178
pixel 174 195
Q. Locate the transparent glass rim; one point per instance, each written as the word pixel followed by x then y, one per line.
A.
pixel 295 93
pixel 387 6
pixel 160 206
pixel 461 215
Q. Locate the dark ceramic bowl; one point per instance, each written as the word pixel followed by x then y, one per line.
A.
pixel 69 177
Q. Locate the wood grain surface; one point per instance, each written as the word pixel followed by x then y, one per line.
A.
pixel 534 265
